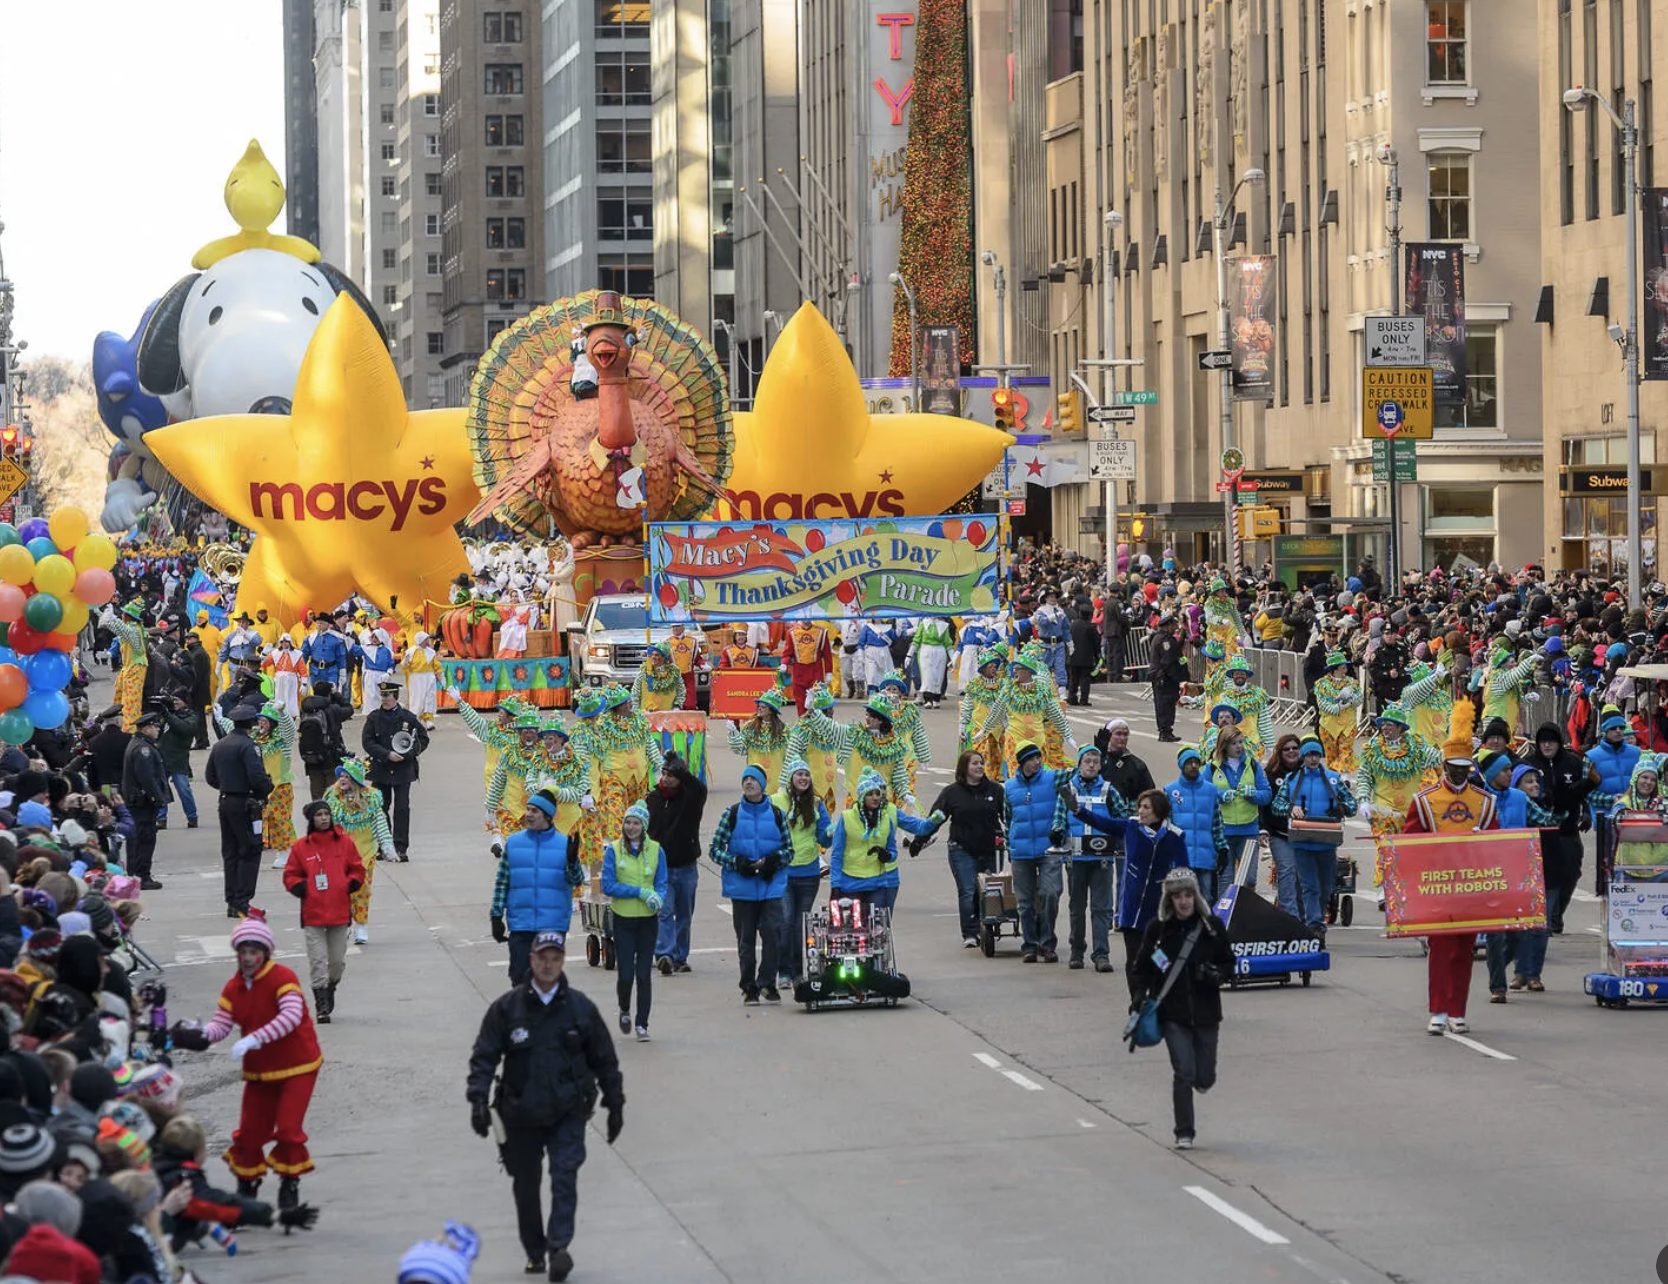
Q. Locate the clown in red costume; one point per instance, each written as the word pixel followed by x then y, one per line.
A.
pixel 279 1053
pixel 810 658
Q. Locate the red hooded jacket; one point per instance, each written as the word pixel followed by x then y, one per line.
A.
pixel 332 854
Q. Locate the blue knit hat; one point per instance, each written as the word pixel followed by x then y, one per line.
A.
pixel 1312 745
pixel 1615 722
pixel 757 773
pixel 869 783
pixel 446 1261
pixel 1026 752
pixel 793 765
pixel 638 811
pixel 1225 707
pixel 1187 754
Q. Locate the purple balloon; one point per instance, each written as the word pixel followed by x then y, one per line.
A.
pixel 34 528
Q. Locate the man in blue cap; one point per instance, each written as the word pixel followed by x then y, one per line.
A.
pixel 1612 760
pixel 1038 816
pixel 533 890
pixel 1196 810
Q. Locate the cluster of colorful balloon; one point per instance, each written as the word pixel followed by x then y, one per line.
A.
pixel 52 573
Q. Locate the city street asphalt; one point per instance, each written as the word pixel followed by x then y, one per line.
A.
pixel 991 1126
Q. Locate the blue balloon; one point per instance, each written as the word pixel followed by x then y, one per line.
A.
pixel 936 530
pixel 47 670
pixel 9 656
pixel 46 708
pixel 8 534
pixel 34 528
pixel 41 546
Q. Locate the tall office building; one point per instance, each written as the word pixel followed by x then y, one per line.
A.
pixel 379 78
pixel 420 326
pixel 492 178
pixel 338 76
pixel 301 123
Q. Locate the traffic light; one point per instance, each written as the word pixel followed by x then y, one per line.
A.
pixel 1002 403
pixel 1258 523
pixel 8 441
pixel 1137 527
pixel 1070 406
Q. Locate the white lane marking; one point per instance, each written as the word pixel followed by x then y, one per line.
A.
pixel 1014 1076
pixel 986 1060
pixel 724 906
pixel 1244 1221
pixel 1084 1123
pixel 1479 1047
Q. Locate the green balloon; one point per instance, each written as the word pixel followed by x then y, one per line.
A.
pixel 43 613
pixel 9 535
pixel 16 726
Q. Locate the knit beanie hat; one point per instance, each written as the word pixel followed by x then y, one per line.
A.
pixel 638 812
pixel 46 1253
pixel 444 1261
pixel 871 783
pixel 254 931
pixel 49 1203
pixel 113 1139
pixel 91 1085
pixel 24 1148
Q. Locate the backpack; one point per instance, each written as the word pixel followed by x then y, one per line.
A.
pixel 313 737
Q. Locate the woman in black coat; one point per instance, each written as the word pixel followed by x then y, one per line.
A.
pixel 1190 1013
pixel 973 804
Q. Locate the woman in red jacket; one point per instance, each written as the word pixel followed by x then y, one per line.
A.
pixel 323 872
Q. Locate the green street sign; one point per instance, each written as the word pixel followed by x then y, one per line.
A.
pixel 1407 466
pixel 1143 398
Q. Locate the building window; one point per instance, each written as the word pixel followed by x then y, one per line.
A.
pixel 387 184
pixel 622 79
pixel 431 63
pixel 501 28
pixel 1445 42
pixel 623 18
pixel 431 184
pixel 390 223
pixel 437 343
pixel 385 42
pixel 504 131
pixel 507 283
pixel 385 6
pixel 431 264
pixel 390 297
pixel 385 113
pixel 1566 125
pixel 431 225
pixel 506 233
pixel 503 78
pixel 1459 525
pixel 505 180
pixel 1590 78
pixel 390 260
pixel 385 78
pixel 431 104
pixel 625 215
pixel 495 180
pixel 495 234
pixel 431 146
pixel 627 150
pixel 634 279
pixel 494 327
pixel 1482 377
pixel 1450 196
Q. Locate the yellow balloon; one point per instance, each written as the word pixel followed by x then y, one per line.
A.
pixel 16 566
pixel 68 527
pixel 75 615
pixel 54 573
pixel 95 552
pixel 349 493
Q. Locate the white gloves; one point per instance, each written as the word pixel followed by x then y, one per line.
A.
pixel 244 1046
pixel 1441 670
pixel 587 803
pixel 1531 697
pixel 1364 811
pixel 454 693
pixel 387 853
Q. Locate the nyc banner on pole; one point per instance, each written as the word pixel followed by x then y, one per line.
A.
pixel 711 572
pixel 1443 884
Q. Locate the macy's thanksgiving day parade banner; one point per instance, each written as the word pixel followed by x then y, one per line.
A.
pixel 715 571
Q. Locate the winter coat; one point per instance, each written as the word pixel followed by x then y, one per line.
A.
pixel 540 897
pixel 1322 794
pixel 675 819
pixel 1196 810
pixel 1100 800
pixel 1148 857
pixel 1195 999
pixel 1565 782
pixel 754 831
pixel 333 855
pixel 1246 781
pixel 975 813
pixel 1032 813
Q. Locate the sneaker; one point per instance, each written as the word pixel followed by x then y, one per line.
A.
pixel 1535 986
pixel 784 981
pixel 664 964
pixel 1457 1025
pixel 1497 996
pixel 361 935
pixel 625 1023
pixel 682 967
pixel 969 942
pixel 1076 963
pixel 149 884
pixel 1184 1143
pixel 750 999
pixel 280 860
pixel 561 1264
pixel 1104 965
pixel 771 994
pixel 1029 956
pixel 642 1034
pixel 1050 956
pixel 535 1266
pixel 1519 983
pixel 191 823
pixel 1438 1024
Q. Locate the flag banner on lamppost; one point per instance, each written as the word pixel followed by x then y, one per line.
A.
pixel 941 370
pixel 1251 326
pixel 1653 319
pixel 1436 291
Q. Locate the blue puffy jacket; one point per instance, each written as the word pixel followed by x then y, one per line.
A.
pixel 1031 813
pixel 1194 807
pixel 1512 806
pixel 1615 764
pixel 540 899
pixel 1320 792
pixel 758 829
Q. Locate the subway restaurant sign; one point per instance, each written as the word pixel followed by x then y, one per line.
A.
pixel 1608 480
pixel 706 572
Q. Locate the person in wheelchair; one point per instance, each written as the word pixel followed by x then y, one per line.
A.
pixel 863 860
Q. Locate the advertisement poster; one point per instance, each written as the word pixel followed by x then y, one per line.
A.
pixel 712 572
pixel 734 691
pixel 1251 326
pixel 1638 914
pixel 1436 884
pixel 1653 320
pixel 1436 291
pixel 941 370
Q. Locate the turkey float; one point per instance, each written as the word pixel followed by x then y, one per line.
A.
pixel 599 414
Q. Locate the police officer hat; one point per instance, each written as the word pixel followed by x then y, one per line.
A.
pixel 557 941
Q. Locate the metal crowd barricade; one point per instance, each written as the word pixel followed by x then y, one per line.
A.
pixel 1138 645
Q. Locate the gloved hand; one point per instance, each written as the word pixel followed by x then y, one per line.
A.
pixel 1364 811
pixel 937 817
pixel 492 824
pixel 616 1121
pixel 301 1217
pixel 500 933
pixel 768 866
pixel 587 803
pixel 576 874
pixel 652 900
pixel 480 1118
pixel 191 1038
pixel 387 853
pixel 745 867
pixel 1057 837
pixel 244 1046
pixel 881 854
pixel 455 693
pixel 1441 669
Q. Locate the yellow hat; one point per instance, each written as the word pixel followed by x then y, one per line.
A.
pixel 1461 723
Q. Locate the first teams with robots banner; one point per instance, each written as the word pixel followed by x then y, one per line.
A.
pixel 709 572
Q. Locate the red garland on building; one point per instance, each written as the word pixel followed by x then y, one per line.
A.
pixel 935 253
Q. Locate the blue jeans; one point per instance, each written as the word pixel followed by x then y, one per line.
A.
pixel 677 913
pixel 797 901
pixel 965 868
pixel 1317 870
pixel 1527 949
pixel 1208 884
pixel 182 791
pixel 1089 886
pixel 1285 872
pixel 1236 849
pixel 1037 897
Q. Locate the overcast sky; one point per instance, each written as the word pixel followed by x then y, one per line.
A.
pixel 119 122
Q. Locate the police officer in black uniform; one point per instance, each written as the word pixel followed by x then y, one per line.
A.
pixel 235 769
pixel 146 790
pixel 1167 670
pixel 557 1054
pixel 392 739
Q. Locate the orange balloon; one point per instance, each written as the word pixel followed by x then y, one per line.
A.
pixel 14 687
pixel 952 529
pixel 60 642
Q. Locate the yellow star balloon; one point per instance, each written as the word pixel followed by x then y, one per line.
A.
pixel 348 493
pixel 810 448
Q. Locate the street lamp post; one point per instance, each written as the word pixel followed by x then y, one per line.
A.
pixel 1219 238
pixel 1580 99
pixel 721 326
pixel 896 278
pixel 1109 350
pixel 1393 200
